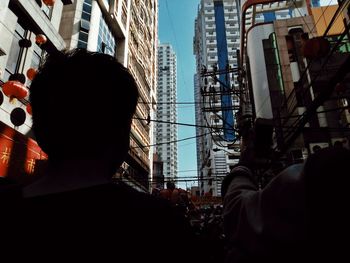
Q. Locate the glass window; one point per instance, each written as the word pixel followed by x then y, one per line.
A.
pixel 82 44
pixel 83 36
pixel 106 42
pixel 15 54
pixel 86 16
pixel 87 8
pixel 47 10
pixel 84 25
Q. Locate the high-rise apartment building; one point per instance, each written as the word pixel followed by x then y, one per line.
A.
pixel 126 29
pixel 166 130
pixel 215 46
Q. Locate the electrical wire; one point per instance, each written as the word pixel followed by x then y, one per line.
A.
pixel 168 142
pixel 322 66
pixel 178 50
pixel 175 123
pixel 168 103
pixel 300 120
pixel 336 14
pixel 213 177
pixel 216 131
pixel 324 10
pixel 301 15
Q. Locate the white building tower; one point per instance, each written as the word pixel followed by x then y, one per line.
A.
pixel 127 30
pixel 215 45
pixel 166 130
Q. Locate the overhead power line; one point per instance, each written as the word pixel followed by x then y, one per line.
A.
pixel 169 102
pixel 168 142
pixel 179 123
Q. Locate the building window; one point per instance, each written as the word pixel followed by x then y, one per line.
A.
pixel 85 24
pixel 16 52
pixel 106 42
pixel 47 10
pixel 38 53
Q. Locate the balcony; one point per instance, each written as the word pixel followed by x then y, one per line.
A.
pixel 209 11
pixel 210 27
pixel 209 19
pixel 211 42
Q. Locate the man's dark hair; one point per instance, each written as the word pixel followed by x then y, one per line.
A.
pixel 82 105
pixel 170 185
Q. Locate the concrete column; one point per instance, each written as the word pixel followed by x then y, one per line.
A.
pixel 94 26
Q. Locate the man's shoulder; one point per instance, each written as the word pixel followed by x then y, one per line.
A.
pixel 113 197
pixel 99 214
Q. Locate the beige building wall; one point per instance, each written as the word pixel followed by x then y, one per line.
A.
pixel 323 15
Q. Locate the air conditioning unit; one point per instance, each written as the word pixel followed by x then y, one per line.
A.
pixel 296 155
pixel 317 145
pixel 344 142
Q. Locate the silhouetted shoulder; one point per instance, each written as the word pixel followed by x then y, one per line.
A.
pixel 114 220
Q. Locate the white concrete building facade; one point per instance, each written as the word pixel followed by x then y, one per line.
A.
pixel 166 130
pixel 215 45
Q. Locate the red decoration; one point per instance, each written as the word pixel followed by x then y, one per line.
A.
pixel 31 72
pixel 12 141
pixel 166 193
pixel 40 39
pixel 340 88
pixel 49 2
pixel 29 108
pixel 316 47
pixel 14 89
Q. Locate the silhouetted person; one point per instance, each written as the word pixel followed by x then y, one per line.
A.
pixel 338 144
pixel 316 148
pixel 83 105
pixel 10 191
pixel 167 193
pixel 300 216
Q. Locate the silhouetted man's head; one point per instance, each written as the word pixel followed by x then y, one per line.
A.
pixel 82 105
pixel 170 185
pixel 316 148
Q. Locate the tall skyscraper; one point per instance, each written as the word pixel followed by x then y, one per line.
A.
pixel 215 46
pixel 126 29
pixel 166 130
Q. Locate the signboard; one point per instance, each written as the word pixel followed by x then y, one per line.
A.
pixel 206 200
pixel 18 155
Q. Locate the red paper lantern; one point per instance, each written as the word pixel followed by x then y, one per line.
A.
pixel 40 39
pixel 49 2
pixel 14 89
pixel 29 108
pixel 31 72
pixel 340 88
pixel 316 47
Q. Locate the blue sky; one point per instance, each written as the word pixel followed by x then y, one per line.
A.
pixel 176 27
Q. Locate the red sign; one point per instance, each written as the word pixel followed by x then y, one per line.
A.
pixel 18 155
